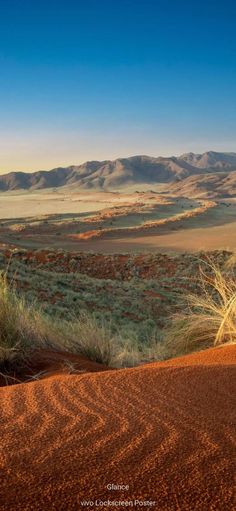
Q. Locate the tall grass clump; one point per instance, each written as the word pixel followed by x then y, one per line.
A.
pixel 90 339
pixel 210 315
pixel 22 327
pixel 97 342
pixel 231 262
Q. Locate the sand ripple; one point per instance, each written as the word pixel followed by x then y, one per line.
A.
pixel 167 430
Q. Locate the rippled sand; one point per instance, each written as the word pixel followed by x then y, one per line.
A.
pixel 165 429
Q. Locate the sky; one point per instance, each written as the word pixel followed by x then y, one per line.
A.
pixel 98 79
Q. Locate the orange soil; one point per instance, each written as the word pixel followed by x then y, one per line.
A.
pixel 146 227
pixel 99 265
pixel 45 363
pixel 85 235
pixel 165 429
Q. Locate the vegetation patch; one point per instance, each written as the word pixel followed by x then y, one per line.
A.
pixel 210 318
pixel 138 308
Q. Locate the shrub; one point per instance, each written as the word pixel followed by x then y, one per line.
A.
pixel 210 318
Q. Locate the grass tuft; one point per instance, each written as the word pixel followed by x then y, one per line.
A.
pixel 22 326
pixel 86 337
pixel 210 318
pixel 231 262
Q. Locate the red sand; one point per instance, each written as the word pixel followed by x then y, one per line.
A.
pixel 43 364
pixel 167 430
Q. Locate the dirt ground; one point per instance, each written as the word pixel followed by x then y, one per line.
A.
pixel 109 222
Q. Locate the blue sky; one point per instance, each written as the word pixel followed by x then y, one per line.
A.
pixel 83 80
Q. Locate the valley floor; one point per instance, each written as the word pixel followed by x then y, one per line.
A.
pixel 116 222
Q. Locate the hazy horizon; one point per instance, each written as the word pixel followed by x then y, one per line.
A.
pixel 74 163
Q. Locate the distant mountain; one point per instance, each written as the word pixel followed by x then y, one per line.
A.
pixel 110 175
pixel 212 185
pixel 211 160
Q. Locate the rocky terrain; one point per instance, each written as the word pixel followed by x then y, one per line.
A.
pixel 212 185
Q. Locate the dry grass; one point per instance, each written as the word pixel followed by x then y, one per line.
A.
pixel 175 220
pixel 86 337
pixel 22 327
pixel 231 262
pixel 25 327
pixel 97 342
pixel 128 354
pixel 210 319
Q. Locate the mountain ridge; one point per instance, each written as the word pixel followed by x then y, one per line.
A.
pixel 112 174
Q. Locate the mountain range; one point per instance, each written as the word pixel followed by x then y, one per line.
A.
pixel 204 175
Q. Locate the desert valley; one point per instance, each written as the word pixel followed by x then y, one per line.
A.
pixel 184 203
pixel 117 335
pixel 117 255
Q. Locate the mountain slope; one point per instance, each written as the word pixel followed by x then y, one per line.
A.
pixel 216 184
pixel 101 175
pixel 108 175
pixel 211 160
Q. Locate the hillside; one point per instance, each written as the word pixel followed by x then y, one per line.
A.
pixel 211 160
pixel 215 184
pixel 110 175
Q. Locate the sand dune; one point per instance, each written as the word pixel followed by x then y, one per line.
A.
pixel 167 430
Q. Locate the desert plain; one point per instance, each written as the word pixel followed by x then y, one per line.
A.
pixel 108 403
pixel 116 222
